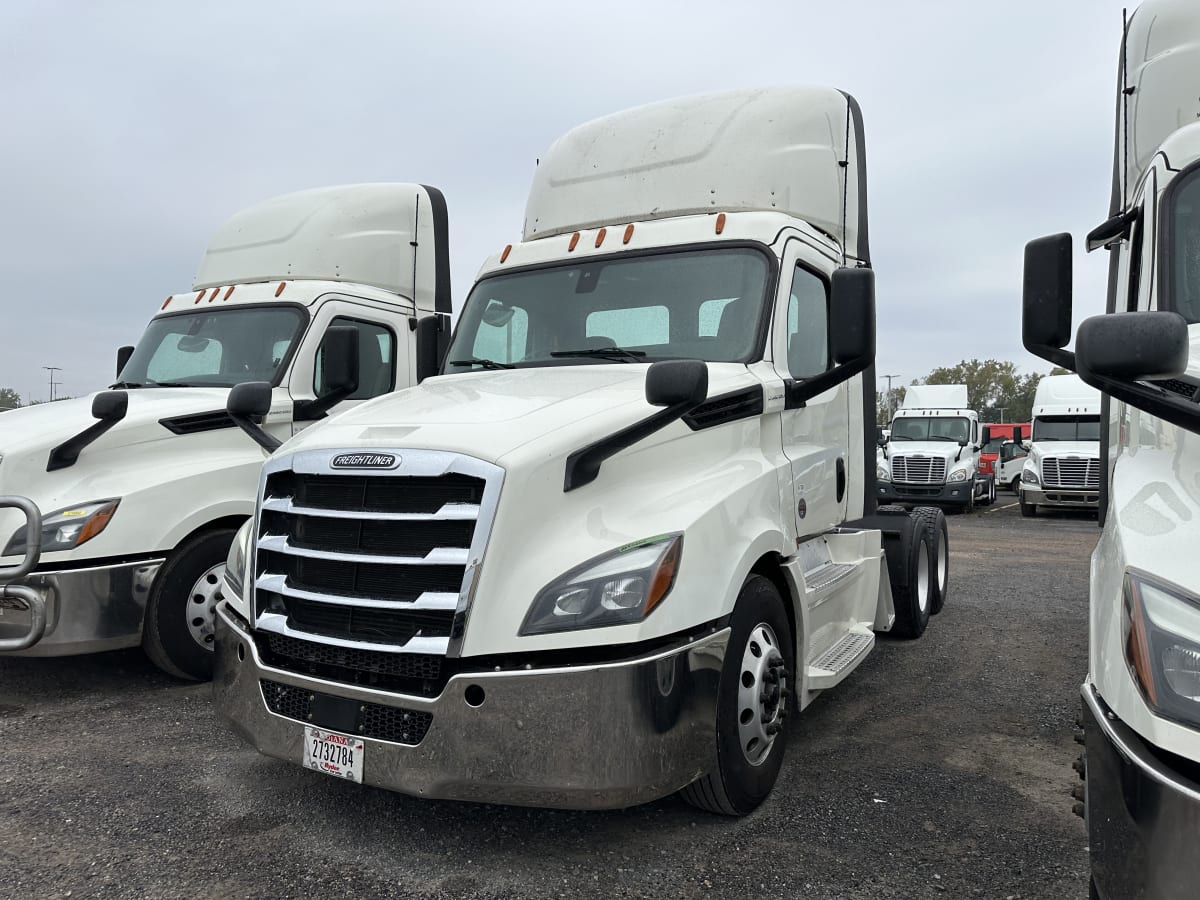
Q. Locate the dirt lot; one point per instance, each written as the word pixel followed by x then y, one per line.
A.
pixel 942 768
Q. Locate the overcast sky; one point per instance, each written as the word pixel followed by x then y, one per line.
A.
pixel 132 130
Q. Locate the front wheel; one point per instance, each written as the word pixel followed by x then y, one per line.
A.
pixel 178 632
pixel 1028 510
pixel 752 702
pixel 1015 486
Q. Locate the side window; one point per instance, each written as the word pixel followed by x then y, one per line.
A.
pixel 376 360
pixel 503 333
pixel 807 326
pixel 641 326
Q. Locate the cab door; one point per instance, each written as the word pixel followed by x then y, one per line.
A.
pixel 384 357
pixel 816 434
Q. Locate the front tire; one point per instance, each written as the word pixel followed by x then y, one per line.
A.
pixel 1015 485
pixel 1028 510
pixel 178 631
pixel 752 702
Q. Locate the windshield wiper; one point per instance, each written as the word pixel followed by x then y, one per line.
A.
pixel 124 385
pixel 617 354
pixel 482 363
pixel 168 384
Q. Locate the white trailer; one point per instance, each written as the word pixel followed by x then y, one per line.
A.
pixel 1062 469
pixel 1141 697
pixel 632 526
pixel 932 452
pixel 332 296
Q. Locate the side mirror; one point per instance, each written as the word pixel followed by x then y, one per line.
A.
pixel 1133 346
pixel 1018 435
pixel 123 354
pixel 675 382
pixel 1046 299
pixel 883 440
pixel 339 372
pixel 985 436
pixel 248 405
pixel 108 408
pixel 852 316
pixel 433 339
pixel 851 334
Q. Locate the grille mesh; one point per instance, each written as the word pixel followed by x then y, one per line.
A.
pixel 296 655
pixel 364 493
pixel 386 723
pixel 1066 472
pixel 918 469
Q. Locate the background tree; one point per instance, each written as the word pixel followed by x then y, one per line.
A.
pixel 9 399
pixel 994 388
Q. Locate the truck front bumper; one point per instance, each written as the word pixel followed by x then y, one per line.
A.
pixel 87 610
pixel 955 493
pixel 1143 815
pixel 1045 495
pixel 592 736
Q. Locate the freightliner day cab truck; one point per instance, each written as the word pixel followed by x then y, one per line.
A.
pixel 142 487
pixel 1062 469
pixel 632 525
pixel 932 453
pixel 1141 698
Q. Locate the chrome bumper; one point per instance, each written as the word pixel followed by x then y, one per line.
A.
pixel 585 737
pixel 1143 816
pixel 1077 498
pixel 86 610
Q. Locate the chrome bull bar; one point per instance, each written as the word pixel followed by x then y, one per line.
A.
pixel 19 596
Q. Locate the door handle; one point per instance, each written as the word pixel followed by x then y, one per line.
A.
pixel 841 479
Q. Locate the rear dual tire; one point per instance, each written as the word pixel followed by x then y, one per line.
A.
pixel 933 521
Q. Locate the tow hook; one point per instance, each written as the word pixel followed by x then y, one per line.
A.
pixel 18 596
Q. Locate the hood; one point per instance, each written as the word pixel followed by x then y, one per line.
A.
pixel 32 429
pixel 491 415
pixel 1059 449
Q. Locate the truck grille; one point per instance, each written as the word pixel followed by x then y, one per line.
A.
pixel 1071 472
pixel 918 469
pixel 373 720
pixel 379 559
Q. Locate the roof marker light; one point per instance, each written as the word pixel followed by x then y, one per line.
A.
pixel 166 303
pixel 216 291
pixel 279 290
pixel 228 293
pixel 628 234
pixel 600 236
pixel 507 250
pixel 201 297
pixel 720 222
pixel 574 241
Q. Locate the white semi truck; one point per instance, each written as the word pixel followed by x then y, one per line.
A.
pixel 932 452
pixel 633 524
pixel 1141 698
pixel 1062 469
pixel 331 296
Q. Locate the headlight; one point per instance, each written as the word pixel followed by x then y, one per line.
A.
pixel 67 528
pixel 235 563
pixel 959 475
pixel 615 589
pixel 1029 476
pixel 882 473
pixel 1164 663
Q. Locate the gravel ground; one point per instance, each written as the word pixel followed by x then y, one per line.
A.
pixel 941 768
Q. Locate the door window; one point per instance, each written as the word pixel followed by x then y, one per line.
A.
pixel 376 359
pixel 807 326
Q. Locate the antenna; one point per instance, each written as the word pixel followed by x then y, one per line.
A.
pixel 845 164
pixel 1125 107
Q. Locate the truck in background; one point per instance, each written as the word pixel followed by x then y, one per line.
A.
pixel 632 526
pixel 332 296
pixel 992 456
pixel 1062 469
pixel 1140 766
pixel 932 454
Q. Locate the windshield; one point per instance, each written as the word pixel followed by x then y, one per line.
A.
pixel 993 446
pixel 216 347
pixel 936 429
pixel 1184 276
pixel 1066 428
pixel 704 304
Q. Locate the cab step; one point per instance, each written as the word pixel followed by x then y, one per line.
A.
pixel 841 659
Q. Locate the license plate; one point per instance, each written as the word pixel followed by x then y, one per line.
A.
pixel 334 754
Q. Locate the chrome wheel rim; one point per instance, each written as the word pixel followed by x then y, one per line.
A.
pixel 762 694
pixel 923 577
pixel 202 604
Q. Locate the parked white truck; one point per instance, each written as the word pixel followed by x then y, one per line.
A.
pixel 601 557
pixel 1141 698
pixel 932 452
pixel 1062 469
pixel 324 294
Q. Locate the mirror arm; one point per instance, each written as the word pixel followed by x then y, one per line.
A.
pixel 798 391
pixel 267 441
pixel 1056 355
pixel 583 465
pixel 67 453
pixel 1158 402
pixel 311 410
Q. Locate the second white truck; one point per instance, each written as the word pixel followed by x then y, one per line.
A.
pixel 1062 469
